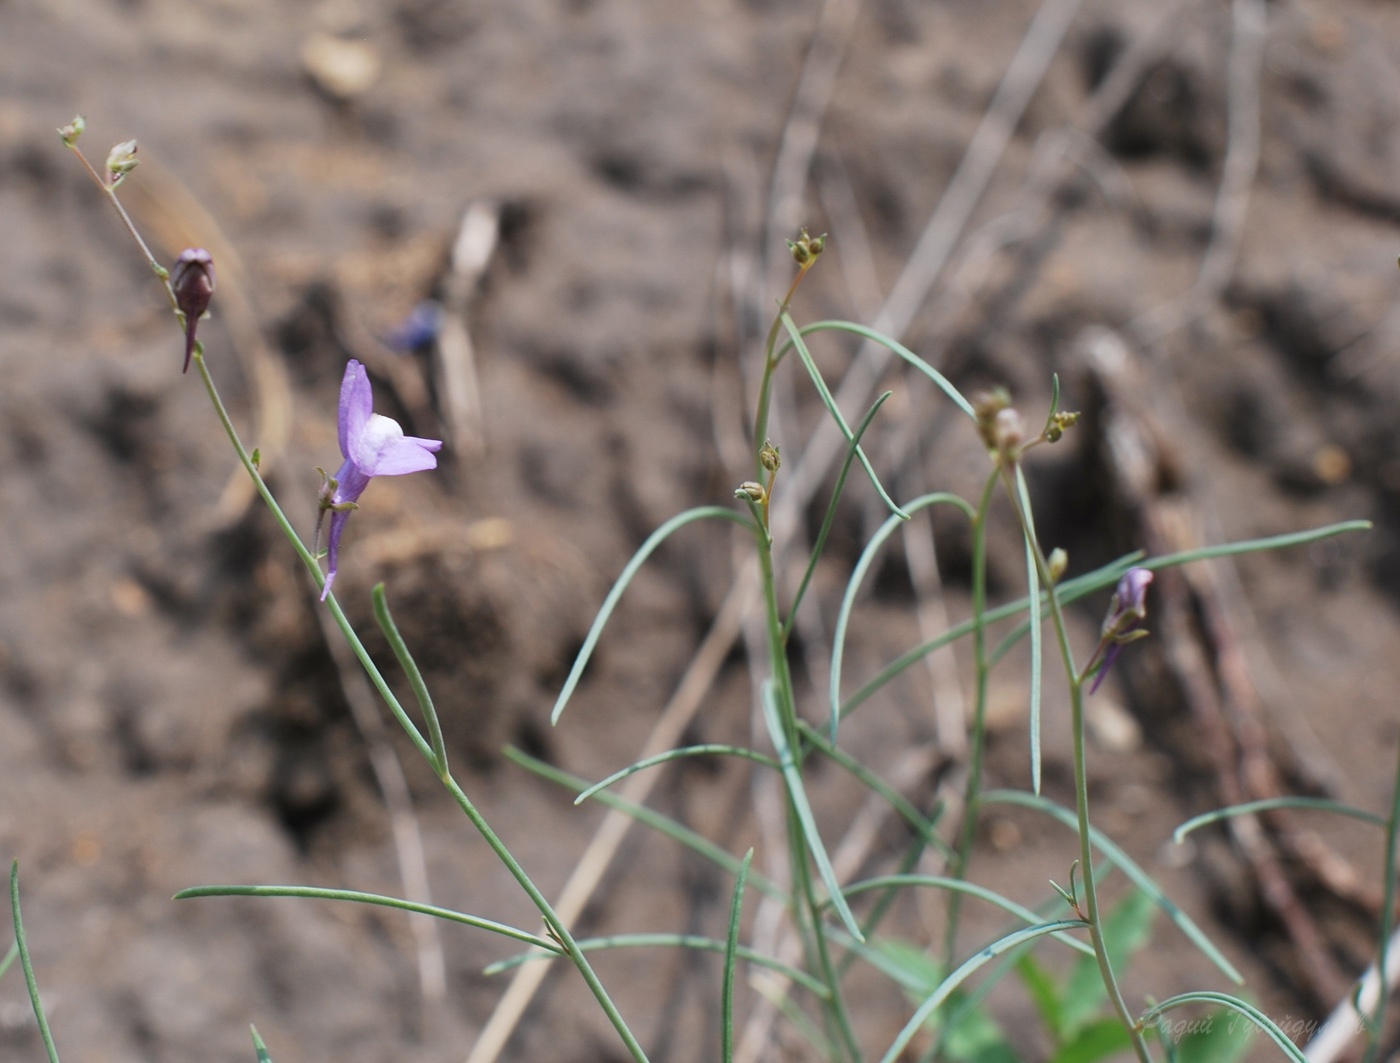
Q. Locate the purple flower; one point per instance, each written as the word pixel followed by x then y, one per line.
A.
pixel 192 281
pixel 373 446
pixel 1123 624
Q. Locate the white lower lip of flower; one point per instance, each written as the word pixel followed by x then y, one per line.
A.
pixel 379 433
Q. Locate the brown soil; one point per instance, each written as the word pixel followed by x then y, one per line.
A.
pixel 171 714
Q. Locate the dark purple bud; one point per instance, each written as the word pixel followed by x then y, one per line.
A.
pixel 1123 624
pixel 1128 609
pixel 192 281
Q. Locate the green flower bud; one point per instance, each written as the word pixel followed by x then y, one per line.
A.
pixel 121 160
pixel 73 130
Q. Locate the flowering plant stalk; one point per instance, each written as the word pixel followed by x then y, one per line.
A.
pixel 371 445
pixel 837 924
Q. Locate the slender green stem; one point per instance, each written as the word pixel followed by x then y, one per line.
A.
pixel 968 829
pixel 556 926
pixel 111 194
pixel 815 937
pixel 29 980
pixel 1081 782
pixel 770 365
pixel 427 750
pixel 809 920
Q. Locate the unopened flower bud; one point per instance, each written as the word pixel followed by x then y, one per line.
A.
pixel 1128 609
pixel 751 491
pixel 192 281
pixel 121 160
pixel 73 130
pixel 769 457
pixel 805 248
pixel 1057 562
pixel 1123 624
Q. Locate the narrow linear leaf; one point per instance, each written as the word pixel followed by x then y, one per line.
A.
pixel 797 794
pixel 1254 546
pixel 957 885
pixel 695 942
pixel 1074 589
pixel 1321 804
pixel 1219 1037
pixel 356 897
pixel 415 677
pixel 924 826
pixel 1068 591
pixel 1225 1000
pixel 862 566
pixel 259 1047
pixel 1128 866
pixel 819 546
pixel 709 749
pixel 901 351
pixel 731 954
pixel 649 547
pixel 657 821
pixel 829 400
pixel 965 971
pixel 30 981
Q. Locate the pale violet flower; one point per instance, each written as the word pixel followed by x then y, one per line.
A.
pixel 373 446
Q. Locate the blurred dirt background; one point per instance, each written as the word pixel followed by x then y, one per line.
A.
pixel 1189 209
